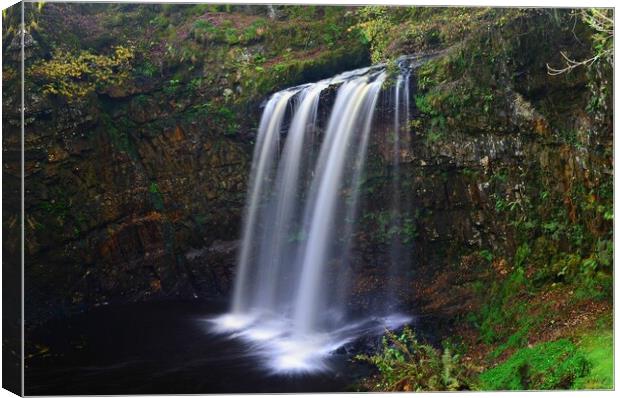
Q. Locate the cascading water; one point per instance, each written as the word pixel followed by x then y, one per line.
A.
pixel 290 295
pixel 397 250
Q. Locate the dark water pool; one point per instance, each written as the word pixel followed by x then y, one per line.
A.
pixel 164 347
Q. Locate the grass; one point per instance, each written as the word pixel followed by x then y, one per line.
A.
pixel 553 365
pixel 581 361
pixel 598 349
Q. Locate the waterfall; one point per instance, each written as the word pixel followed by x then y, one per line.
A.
pixel 290 293
pixel 354 104
pixel 264 158
pixel 273 253
pixel 397 250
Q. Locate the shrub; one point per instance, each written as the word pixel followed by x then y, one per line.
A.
pixel 406 365
pixel 74 76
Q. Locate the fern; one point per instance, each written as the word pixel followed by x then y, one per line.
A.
pixel 405 364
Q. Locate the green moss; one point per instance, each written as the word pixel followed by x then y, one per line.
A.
pixel 597 347
pixel 546 366
pixel 55 208
pixel 321 65
pixel 519 338
pixel 390 29
pixel 156 197
pixel 502 311
pixel 388 225
pixel 121 140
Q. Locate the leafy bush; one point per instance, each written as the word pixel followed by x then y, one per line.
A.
pixel 374 29
pixel 390 29
pixel 146 69
pixel 407 365
pixel 255 31
pixel 203 30
pixel 172 87
pixel 74 76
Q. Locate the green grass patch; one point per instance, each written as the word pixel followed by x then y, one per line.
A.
pixel 598 349
pixel 547 366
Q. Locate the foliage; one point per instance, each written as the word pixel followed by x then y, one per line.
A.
pixel 374 29
pixel 146 69
pixel 487 255
pixel 390 31
pixel 204 31
pixel 119 133
pixel 408 365
pixel 545 366
pixel 388 225
pixel 59 209
pixel 602 23
pixel 156 197
pixel 594 278
pixel 599 63
pixel 450 96
pixel 171 87
pixel 600 74
pixel 502 310
pixel 506 318
pixel 74 76
pixel 254 32
pixel 11 19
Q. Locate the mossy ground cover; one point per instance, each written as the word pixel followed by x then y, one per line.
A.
pixel 239 48
pixel 546 366
pixel 582 359
pixel 522 328
pixel 541 338
pixel 570 350
pixel 597 347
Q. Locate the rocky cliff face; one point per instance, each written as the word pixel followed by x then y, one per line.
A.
pixel 136 164
pixel 117 192
pixel 139 128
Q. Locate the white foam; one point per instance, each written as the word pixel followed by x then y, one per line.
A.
pixel 231 322
pixel 281 350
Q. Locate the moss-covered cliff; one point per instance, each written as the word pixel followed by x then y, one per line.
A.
pixel 510 182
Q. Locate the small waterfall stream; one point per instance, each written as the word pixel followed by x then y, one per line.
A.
pixel 398 253
pixel 290 294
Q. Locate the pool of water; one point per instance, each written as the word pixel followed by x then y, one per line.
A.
pixel 161 347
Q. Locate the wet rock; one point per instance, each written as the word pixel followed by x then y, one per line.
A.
pixel 212 268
